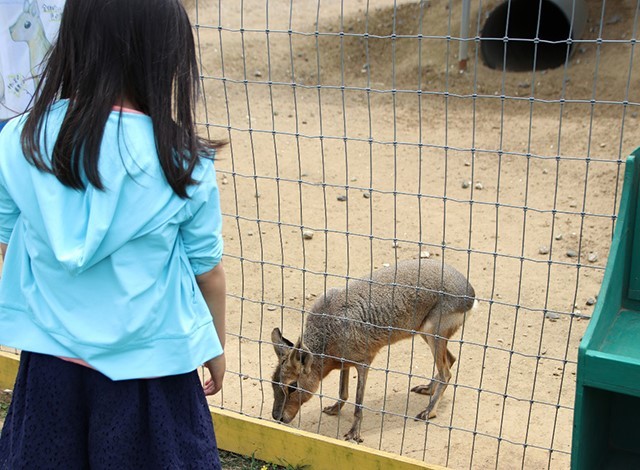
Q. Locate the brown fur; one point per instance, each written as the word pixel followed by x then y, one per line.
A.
pixel 347 327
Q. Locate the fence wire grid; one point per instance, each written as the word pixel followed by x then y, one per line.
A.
pixel 359 136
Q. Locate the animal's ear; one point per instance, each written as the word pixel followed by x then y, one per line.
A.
pixel 303 356
pixel 281 345
pixel 31 7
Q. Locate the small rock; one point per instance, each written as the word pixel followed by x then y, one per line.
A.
pixel 524 85
pixel 366 194
pixel 304 121
pixel 593 257
pixel 572 253
pixel 386 265
pixel 395 244
pixel 545 171
pixel 603 145
pixel 466 184
pixel 293 297
pixel 552 316
pixel 543 250
pixel 257 73
pixel 425 254
pixel 275 113
pixel 307 234
pixel 353 180
pixel 591 301
pixel 257 195
pixel 558 237
pixel 479 186
pixel 225 180
pixel 467 163
pixel 272 308
pixel 249 234
pixel 617 18
pixel 342 198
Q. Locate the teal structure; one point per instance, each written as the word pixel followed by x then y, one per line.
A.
pixel 606 427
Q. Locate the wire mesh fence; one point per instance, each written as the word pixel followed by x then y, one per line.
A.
pixel 361 134
pixel 359 137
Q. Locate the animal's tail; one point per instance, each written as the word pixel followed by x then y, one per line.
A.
pixel 474 307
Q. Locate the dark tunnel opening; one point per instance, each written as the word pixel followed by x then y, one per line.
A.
pixel 521 52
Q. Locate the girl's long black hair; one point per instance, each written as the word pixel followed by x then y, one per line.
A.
pixel 108 51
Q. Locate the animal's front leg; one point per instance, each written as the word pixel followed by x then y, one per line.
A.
pixel 354 432
pixel 344 392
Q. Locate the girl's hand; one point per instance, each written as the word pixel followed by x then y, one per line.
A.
pixel 216 367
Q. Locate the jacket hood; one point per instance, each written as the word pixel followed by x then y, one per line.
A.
pixel 82 227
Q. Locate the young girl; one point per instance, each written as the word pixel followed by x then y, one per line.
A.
pixel 110 229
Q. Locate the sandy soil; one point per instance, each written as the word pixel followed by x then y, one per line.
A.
pixel 295 148
pixel 545 176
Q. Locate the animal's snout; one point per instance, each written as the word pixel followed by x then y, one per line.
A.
pixel 280 417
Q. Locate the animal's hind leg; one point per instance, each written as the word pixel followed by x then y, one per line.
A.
pixel 428 389
pixel 344 393
pixel 439 384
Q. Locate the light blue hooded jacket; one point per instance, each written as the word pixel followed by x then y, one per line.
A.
pixel 108 277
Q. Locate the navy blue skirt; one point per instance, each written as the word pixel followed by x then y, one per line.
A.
pixel 67 416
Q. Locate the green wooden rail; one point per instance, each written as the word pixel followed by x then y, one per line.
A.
pixel 606 430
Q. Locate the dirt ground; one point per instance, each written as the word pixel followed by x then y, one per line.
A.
pixel 296 148
pixel 519 194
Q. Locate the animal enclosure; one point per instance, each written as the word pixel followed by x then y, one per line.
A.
pixel 355 142
pixel 358 138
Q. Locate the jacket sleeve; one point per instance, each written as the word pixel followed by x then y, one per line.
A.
pixel 202 231
pixel 9 211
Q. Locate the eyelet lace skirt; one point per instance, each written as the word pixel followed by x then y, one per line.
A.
pixel 67 416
